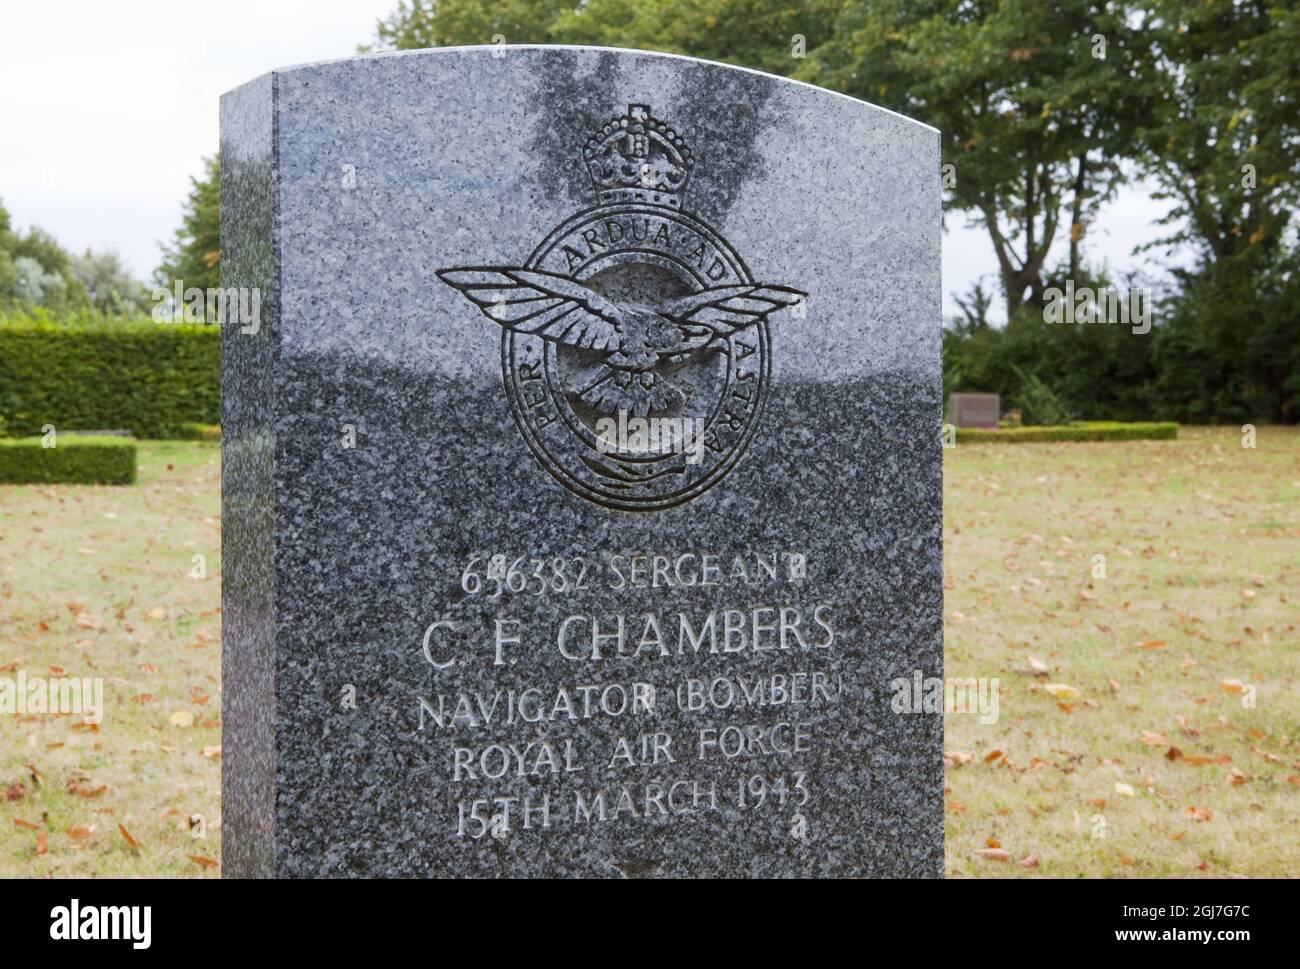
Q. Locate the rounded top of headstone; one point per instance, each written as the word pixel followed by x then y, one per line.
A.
pixel 578 54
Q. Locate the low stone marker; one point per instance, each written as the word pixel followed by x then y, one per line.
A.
pixel 581 480
pixel 973 410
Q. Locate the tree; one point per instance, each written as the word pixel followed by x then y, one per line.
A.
pixel 1223 145
pixel 36 271
pixel 770 35
pixel 414 25
pixel 1217 145
pixel 767 35
pixel 35 285
pixel 974 308
pixel 108 285
pixel 194 255
pixel 1033 110
pixel 8 274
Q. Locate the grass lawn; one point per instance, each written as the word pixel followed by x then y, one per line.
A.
pixel 1197 612
pixel 96 581
pixel 1200 603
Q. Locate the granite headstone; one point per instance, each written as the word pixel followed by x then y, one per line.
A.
pixel 582 473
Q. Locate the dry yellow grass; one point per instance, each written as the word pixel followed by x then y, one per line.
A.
pixel 1201 540
pixel 98 582
pixel 1197 615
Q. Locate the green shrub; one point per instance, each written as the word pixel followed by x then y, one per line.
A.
pixel 74 460
pixel 1081 431
pixel 106 372
pixel 192 431
pixel 1039 403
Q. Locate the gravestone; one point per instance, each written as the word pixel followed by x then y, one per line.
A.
pixel 581 475
pixel 973 410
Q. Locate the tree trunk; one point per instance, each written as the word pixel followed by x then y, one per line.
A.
pixel 1076 215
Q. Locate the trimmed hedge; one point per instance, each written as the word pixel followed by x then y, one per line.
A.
pixel 149 377
pixel 1081 431
pixel 199 432
pixel 74 460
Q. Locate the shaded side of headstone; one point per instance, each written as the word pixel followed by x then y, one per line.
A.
pixel 463 637
pixel 248 522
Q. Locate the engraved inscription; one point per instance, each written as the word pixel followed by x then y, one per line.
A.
pixel 677 735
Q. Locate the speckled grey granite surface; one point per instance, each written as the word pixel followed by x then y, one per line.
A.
pixel 412 686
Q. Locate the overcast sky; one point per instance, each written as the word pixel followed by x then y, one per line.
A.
pixel 107 108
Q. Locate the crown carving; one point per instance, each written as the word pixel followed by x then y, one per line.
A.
pixel 638 158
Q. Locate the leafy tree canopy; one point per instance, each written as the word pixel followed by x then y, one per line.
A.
pixel 194 255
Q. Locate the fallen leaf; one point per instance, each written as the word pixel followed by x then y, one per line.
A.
pixel 1199 814
pixel 1124 789
pixel 20 823
pixel 1029 861
pixel 993 756
pixel 202 862
pixel 130 840
pixel 1232 686
pixel 1153 739
pixel 181 718
pixel 1061 691
pixel 1151 644
pixel 994 854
